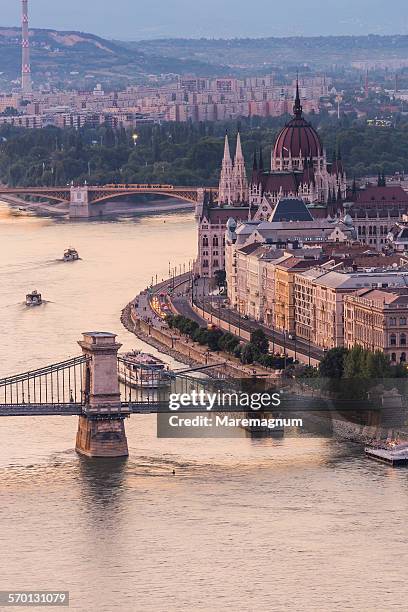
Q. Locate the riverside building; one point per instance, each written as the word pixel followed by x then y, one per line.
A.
pixel 377 319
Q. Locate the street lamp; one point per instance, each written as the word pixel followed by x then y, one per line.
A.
pixel 134 138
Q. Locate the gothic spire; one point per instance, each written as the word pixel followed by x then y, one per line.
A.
pixel 238 152
pixel 227 153
pixel 297 108
pixel 261 165
pixel 255 164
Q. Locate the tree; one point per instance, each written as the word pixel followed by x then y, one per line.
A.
pixel 260 341
pixel 332 364
pixel 220 277
pixel 355 363
pixel 214 336
pixel 248 354
pixel 376 365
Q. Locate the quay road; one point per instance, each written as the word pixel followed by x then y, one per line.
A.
pixel 277 338
pixel 179 288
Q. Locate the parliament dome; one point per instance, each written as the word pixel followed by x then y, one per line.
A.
pixel 298 138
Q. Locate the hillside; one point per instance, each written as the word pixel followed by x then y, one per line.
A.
pixel 259 53
pixel 56 55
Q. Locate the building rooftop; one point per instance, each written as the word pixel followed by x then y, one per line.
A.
pixel 291 209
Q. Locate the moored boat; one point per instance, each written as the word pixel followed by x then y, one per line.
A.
pixel 71 254
pixel 393 453
pixel 34 298
pixel 138 369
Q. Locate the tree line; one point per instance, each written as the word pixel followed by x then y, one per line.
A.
pixel 182 153
pixel 254 351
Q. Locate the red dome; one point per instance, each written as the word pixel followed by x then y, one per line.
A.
pixel 297 138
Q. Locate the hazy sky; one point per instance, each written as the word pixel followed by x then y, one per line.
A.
pixel 135 19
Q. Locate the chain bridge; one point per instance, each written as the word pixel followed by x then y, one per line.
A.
pixel 87 386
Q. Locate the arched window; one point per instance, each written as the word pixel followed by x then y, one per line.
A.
pixel 393 357
pixel 205 263
pixel 403 340
pixel 215 241
pixel 403 358
pixel 205 241
pixel 393 340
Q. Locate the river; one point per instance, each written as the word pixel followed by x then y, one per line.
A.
pixel 295 524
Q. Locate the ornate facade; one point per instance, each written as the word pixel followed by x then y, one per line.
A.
pixel 299 168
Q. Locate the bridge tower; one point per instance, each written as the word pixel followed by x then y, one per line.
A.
pixel 101 428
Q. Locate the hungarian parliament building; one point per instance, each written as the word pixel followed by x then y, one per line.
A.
pixel 299 172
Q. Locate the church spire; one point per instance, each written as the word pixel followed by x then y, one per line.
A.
pixel 227 153
pixel 255 164
pixel 225 186
pixel 240 181
pixel 261 163
pixel 297 108
pixel 238 151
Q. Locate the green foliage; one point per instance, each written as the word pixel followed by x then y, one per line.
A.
pixel 359 364
pixel 267 361
pixel 355 363
pixel 220 277
pixel 180 153
pixel 308 372
pixel 248 353
pixel 260 341
pixel 332 364
pixel 228 342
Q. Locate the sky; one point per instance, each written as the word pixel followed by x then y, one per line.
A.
pixel 138 19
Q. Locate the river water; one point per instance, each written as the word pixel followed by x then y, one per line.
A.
pixel 244 525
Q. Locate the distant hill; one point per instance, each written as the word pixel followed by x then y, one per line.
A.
pixel 258 53
pixel 55 55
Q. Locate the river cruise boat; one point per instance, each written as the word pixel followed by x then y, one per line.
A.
pixel 71 254
pixel 137 369
pixel 33 299
pixel 393 453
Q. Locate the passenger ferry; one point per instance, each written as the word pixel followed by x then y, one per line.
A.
pixel 34 298
pixel 71 255
pixel 138 369
pixel 395 453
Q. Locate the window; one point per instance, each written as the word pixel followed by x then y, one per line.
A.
pixel 205 241
pixel 403 320
pixel 205 263
pixel 215 241
pixel 393 357
pixel 403 340
pixel 403 358
pixel 393 340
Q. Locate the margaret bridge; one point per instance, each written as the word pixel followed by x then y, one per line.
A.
pixel 86 201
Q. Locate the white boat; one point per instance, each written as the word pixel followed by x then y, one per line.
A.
pixel 34 298
pixel 137 369
pixel 392 452
pixel 71 254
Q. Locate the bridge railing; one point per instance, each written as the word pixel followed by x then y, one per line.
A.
pixel 57 384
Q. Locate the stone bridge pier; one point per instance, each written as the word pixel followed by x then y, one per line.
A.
pixel 101 428
pixel 79 205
